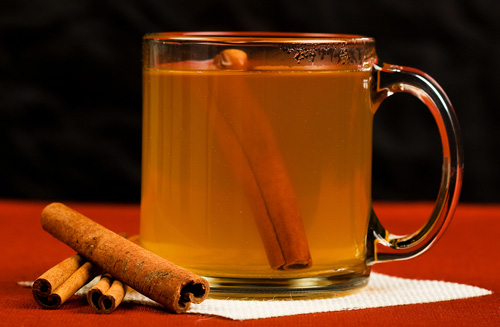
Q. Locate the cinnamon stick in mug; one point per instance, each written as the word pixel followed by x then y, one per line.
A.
pixel 247 138
pixel 153 276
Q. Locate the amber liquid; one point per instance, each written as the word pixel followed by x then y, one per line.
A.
pixel 194 211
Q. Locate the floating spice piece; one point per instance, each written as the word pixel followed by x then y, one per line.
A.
pixel 153 276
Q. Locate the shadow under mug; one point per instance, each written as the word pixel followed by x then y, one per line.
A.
pixel 257 160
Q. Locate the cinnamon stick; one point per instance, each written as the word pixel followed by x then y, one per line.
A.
pixel 107 294
pixel 153 276
pixel 248 140
pixel 60 282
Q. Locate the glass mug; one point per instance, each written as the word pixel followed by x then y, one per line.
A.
pixel 257 155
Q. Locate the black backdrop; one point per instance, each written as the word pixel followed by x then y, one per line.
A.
pixel 70 87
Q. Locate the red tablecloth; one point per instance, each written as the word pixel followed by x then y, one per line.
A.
pixel 468 253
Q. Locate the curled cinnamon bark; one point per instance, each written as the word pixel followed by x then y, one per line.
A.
pixel 107 294
pixel 60 282
pixel 153 276
pixel 248 141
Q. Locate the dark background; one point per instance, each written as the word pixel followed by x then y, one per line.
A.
pixel 70 87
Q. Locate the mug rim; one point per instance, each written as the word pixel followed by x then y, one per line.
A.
pixel 259 37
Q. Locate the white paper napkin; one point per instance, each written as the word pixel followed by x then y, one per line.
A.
pixel 381 291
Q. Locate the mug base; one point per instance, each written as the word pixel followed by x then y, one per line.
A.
pixel 296 288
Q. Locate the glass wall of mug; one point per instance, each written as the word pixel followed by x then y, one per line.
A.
pixel 257 159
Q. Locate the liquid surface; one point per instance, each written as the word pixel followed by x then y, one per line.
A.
pixel 195 210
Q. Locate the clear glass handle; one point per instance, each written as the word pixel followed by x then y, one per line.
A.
pixel 383 245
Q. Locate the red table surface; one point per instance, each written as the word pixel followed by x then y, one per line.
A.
pixel 468 253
